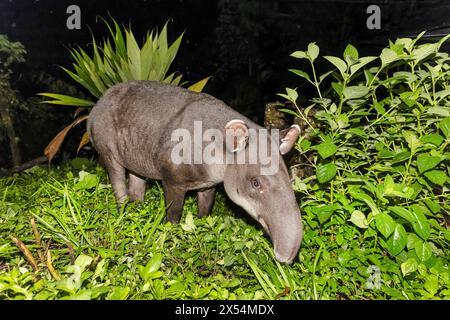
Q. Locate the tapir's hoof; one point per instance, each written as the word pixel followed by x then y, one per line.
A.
pixel 203 214
pixel 174 220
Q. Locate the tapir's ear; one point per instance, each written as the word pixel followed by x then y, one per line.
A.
pixel 236 135
pixel 288 138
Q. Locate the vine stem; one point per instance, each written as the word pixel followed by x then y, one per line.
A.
pixel 374 77
pixel 304 118
pixel 316 84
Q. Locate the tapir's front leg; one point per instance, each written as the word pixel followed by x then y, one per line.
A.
pixel 174 200
pixel 205 201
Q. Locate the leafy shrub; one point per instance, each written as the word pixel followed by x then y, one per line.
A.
pixel 380 150
pixel 118 59
pixel 10 53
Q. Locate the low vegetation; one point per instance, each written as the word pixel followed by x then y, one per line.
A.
pixel 375 211
pixel 75 245
pixel 379 146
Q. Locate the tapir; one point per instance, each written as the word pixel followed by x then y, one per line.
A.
pixel 132 128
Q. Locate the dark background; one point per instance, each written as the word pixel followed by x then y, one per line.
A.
pixel 243 44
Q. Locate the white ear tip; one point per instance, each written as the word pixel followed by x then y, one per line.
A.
pixel 297 127
pixel 231 122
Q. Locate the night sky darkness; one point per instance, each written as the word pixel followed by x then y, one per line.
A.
pixel 244 45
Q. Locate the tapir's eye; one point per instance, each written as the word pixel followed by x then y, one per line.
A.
pixel 255 183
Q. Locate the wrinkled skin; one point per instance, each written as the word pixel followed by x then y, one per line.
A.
pixel 131 129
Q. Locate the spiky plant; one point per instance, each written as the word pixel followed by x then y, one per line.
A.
pixel 119 58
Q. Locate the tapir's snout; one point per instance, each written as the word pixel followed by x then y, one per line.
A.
pixel 286 257
pixel 286 232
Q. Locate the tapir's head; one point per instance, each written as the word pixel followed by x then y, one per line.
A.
pixel 261 185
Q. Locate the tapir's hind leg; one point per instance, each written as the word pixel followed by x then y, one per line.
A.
pixel 117 178
pixel 174 200
pixel 205 201
pixel 136 187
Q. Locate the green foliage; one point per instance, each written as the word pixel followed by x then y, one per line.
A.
pixel 10 53
pixel 118 59
pixel 380 149
pixel 100 253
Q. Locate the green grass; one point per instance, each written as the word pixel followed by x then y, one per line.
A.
pixel 99 253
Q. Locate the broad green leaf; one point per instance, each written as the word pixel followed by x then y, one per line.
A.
pixel 363 62
pixel 151 267
pixel 313 51
pixel 431 284
pixel 87 181
pixel 355 92
pixel 424 50
pixel 388 56
pixel 337 87
pixel 324 212
pixel 338 63
pixel 403 213
pixel 292 94
pixel 444 125
pixel 426 162
pixel 176 288
pixel 406 42
pixel 342 121
pixel 412 140
pixel 423 250
pixel 368 75
pixel 299 185
pixel 416 218
pixel 305 145
pixel 436 176
pixel 300 73
pixel 412 241
pixel 351 52
pixel 299 55
pixel 420 223
pixel 385 224
pixel 397 241
pixel 405 76
pixel 119 293
pixel 433 138
pixel 83 261
pixel 392 189
pixel 409 266
pixel 397 48
pixel 325 172
pixel 357 132
pixel 442 94
pixel 189 224
pixel 440 111
pixel 288 111
pixel 433 206
pixel 401 156
pixel 409 98
pixel 359 219
pixel 326 149
pixel 368 200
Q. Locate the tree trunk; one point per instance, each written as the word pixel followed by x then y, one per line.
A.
pixel 7 122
